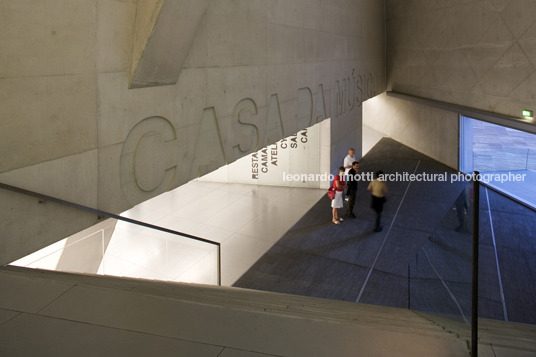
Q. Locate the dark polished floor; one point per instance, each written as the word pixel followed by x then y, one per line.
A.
pixel 419 260
pixel 318 258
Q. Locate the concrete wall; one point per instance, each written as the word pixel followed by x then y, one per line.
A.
pixel 71 128
pixel 480 54
pixel 432 131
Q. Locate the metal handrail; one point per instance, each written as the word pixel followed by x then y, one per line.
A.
pixel 99 212
pixel 474 278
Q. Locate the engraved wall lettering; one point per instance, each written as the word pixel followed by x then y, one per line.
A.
pixel 359 91
pixel 208 154
pixel 148 159
pixel 369 85
pixel 350 95
pixel 247 133
pixel 305 107
pixel 320 106
pixel 274 123
pixel 338 99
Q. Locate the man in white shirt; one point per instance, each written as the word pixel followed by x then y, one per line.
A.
pixel 348 161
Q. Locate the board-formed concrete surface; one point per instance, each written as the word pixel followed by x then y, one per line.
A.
pixel 478 54
pixel 72 128
pixel 164 32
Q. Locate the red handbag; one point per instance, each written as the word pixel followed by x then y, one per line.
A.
pixel 331 192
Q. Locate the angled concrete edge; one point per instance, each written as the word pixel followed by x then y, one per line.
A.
pixel 164 31
pixel 523 124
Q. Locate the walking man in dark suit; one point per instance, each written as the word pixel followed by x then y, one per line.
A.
pixel 352 189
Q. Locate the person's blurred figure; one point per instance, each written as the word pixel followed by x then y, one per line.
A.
pixel 378 189
pixel 461 208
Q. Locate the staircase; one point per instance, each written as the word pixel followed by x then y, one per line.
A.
pixel 62 314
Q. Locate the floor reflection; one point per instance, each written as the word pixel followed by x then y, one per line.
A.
pixel 246 219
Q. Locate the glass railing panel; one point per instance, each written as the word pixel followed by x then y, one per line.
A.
pixel 81 252
pixel 531 160
pixel 439 279
pixel 507 279
pixel 142 252
pixel 108 246
pixel 512 171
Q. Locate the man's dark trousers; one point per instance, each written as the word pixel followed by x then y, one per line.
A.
pixel 377 206
pixel 351 192
pixel 351 203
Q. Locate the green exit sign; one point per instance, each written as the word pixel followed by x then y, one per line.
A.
pixel 527 113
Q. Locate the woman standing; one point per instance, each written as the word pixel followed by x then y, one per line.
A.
pixel 337 201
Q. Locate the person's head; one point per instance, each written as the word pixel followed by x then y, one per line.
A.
pixel 378 174
pixel 351 152
pixel 355 165
pixel 341 170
